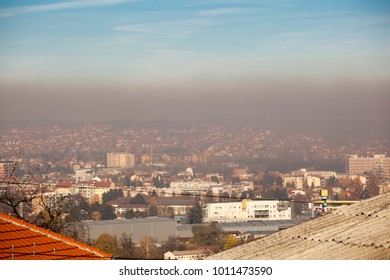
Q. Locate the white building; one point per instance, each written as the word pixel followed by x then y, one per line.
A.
pixel 313 181
pixel 187 255
pixel 83 175
pixel 93 192
pixel 231 189
pixel 247 210
pixel 195 186
pixel 296 181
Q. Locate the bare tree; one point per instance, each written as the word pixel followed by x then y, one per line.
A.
pixel 148 249
pixel 355 188
pixel 18 195
pixel 31 200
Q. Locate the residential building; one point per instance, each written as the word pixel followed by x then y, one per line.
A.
pixel 194 186
pixel 93 191
pixel 247 210
pixel 313 181
pixel 123 160
pixel 176 206
pixel 241 173
pixel 83 175
pixel 123 205
pixel 295 181
pixel 379 165
pixel 6 168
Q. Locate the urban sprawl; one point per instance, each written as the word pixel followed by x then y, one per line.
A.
pixel 176 185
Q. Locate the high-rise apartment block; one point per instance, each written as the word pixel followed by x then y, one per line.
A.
pixel 124 160
pixel 6 168
pixel 378 165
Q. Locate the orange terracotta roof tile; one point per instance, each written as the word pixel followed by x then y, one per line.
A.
pixel 20 240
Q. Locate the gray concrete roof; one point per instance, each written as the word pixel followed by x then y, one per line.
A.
pixel 359 231
pixel 127 221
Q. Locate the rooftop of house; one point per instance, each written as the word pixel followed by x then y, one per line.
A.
pixel 359 231
pixel 20 240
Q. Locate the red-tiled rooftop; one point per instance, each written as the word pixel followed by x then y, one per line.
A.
pixel 20 240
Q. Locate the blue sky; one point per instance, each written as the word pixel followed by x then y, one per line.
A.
pixel 143 58
pixel 121 40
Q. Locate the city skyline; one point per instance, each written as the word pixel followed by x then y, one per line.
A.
pixel 118 59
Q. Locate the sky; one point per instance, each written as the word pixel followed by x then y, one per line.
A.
pixel 123 59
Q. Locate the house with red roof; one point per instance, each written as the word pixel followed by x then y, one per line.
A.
pixel 20 240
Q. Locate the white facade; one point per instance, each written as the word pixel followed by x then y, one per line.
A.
pixel 313 181
pixel 91 192
pixel 247 210
pixel 83 175
pixel 195 186
pixel 187 255
pixel 297 181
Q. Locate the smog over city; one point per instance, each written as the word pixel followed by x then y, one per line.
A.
pixel 130 109
pixel 304 63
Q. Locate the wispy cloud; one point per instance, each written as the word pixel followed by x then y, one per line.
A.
pixel 13 11
pixel 133 28
pixel 172 29
pixel 223 11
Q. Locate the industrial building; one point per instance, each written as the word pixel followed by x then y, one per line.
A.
pixel 157 228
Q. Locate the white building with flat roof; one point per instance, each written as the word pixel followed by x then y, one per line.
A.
pixel 194 186
pixel 247 210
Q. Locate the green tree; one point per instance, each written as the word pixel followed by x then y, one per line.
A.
pixel 195 214
pixel 331 181
pixel 107 243
pixel 171 244
pixel 268 180
pixel 152 207
pixel 111 195
pixel 207 235
pixel 138 199
pixel 106 211
pixel 129 214
pixel 126 247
